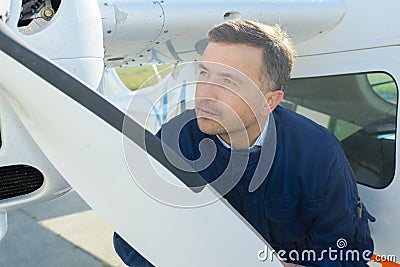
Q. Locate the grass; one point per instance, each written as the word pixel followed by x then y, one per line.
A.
pixel 384 86
pixel 141 76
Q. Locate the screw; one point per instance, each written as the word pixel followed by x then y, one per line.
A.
pixel 47 13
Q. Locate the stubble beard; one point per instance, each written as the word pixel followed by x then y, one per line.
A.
pixel 210 126
pixel 213 127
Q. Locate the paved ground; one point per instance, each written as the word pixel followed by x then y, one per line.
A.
pixel 61 232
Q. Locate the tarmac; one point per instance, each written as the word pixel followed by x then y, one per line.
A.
pixel 58 233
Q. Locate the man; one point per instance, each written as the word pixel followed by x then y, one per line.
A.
pixel 306 197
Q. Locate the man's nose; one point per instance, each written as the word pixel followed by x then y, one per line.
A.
pixel 209 90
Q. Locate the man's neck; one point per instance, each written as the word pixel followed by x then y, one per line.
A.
pixel 243 139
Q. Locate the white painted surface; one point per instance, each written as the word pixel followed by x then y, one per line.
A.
pixel 18 147
pixel 170 31
pixel 73 38
pixel 5 10
pixel 3 224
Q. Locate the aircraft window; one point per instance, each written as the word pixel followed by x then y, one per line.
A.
pixel 360 110
pixel 384 86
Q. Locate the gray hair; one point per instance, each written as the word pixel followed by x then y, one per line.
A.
pixel 272 40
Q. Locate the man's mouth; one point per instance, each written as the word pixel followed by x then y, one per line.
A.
pixel 203 112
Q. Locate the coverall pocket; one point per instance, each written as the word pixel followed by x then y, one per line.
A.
pixel 282 210
pixel 290 220
pixel 362 233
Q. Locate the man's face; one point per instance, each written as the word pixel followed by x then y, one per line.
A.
pixel 228 98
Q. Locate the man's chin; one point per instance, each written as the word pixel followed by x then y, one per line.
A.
pixel 209 126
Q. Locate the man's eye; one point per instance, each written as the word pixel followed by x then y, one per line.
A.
pixel 228 81
pixel 203 73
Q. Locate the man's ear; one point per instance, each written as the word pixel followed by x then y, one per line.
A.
pixel 273 98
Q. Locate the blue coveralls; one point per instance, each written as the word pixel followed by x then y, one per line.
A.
pixel 308 200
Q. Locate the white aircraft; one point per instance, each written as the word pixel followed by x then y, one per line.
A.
pixel 67 120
